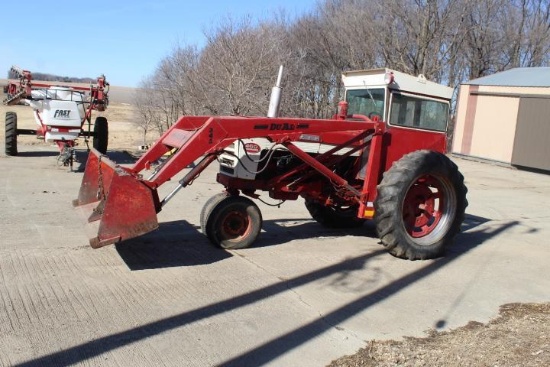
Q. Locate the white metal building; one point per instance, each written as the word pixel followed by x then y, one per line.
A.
pixel 505 117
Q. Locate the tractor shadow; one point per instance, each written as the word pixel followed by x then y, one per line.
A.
pixel 473 221
pixel 263 353
pixel 38 153
pixel 122 157
pixel 472 236
pixel 277 232
pixel 118 156
pixel 180 243
pixel 174 244
pixel 475 235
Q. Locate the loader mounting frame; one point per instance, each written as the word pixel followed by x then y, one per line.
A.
pixel 122 204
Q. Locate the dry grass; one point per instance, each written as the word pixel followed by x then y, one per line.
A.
pixel 520 336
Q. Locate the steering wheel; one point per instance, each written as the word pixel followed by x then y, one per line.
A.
pixel 374 113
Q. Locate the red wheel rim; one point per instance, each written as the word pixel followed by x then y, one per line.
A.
pixel 236 224
pixel 424 206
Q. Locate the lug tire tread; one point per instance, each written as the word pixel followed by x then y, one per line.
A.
pixel 11 133
pixel 391 192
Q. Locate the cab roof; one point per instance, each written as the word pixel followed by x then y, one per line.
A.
pixel 372 78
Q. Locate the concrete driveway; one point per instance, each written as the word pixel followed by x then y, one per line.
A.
pixel 302 296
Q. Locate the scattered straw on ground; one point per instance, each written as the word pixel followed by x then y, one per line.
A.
pixel 520 336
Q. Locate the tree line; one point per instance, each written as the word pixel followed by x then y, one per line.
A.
pixel 449 41
pixel 53 78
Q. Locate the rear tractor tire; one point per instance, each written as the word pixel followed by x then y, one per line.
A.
pixel 101 135
pixel 420 205
pixel 231 222
pixel 334 216
pixel 11 133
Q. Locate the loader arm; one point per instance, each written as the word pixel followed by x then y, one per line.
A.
pixel 125 205
pixel 196 136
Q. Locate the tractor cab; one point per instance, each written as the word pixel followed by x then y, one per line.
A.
pixel 397 98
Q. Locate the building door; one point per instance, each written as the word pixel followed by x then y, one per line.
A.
pixel 532 139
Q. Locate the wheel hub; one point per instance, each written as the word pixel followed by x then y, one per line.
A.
pixel 423 206
pixel 235 224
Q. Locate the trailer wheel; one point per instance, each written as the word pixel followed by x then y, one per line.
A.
pixel 334 216
pixel 101 135
pixel 11 133
pixel 420 205
pixel 234 222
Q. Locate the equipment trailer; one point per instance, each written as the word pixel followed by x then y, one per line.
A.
pixel 349 169
pixel 59 111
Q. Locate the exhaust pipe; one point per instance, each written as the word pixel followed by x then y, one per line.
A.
pixel 275 100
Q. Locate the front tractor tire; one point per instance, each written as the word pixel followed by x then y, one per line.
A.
pixel 101 135
pixel 11 133
pixel 231 222
pixel 420 205
pixel 208 206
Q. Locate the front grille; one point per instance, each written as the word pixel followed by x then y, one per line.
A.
pixel 229 171
pixel 226 162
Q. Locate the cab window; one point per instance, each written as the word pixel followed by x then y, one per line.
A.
pixel 366 102
pixel 417 112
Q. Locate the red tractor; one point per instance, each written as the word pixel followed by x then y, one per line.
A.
pixel 62 113
pixel 349 169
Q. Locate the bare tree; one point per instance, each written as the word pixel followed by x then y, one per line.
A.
pixel 238 65
pixel 147 112
pixel 486 37
pixel 537 33
pixel 449 41
pixel 421 37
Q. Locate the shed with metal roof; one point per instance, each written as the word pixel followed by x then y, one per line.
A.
pixel 505 117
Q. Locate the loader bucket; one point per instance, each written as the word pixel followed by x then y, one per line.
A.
pixel 116 204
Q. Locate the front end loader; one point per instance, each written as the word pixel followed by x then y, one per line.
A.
pixel 381 158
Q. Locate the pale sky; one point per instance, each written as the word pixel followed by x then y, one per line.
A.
pixel 125 40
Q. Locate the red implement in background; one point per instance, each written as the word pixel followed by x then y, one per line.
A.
pixel 62 113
